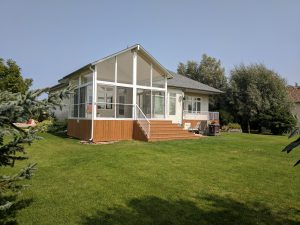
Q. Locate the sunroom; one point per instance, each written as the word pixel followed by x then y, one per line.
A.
pixel 127 85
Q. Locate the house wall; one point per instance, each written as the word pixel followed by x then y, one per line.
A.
pixel 62 113
pixel 296 111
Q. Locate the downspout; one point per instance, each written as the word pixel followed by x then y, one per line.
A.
pixel 93 101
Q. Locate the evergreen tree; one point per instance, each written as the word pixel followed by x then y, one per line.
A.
pixel 18 107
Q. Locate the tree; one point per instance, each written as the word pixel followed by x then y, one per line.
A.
pixel 11 79
pixel 17 107
pixel 258 98
pixel 209 71
pixel 17 104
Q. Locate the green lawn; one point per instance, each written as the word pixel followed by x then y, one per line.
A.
pixel 230 179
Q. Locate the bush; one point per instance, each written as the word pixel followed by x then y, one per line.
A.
pixel 44 126
pixel 58 126
pixel 234 126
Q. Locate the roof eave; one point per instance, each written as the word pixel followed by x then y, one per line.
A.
pixel 186 89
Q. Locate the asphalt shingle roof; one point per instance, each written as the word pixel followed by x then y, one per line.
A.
pixel 185 82
pixel 294 93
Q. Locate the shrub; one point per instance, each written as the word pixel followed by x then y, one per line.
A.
pixel 58 126
pixel 44 126
pixel 234 126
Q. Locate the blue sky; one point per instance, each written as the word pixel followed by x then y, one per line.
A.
pixel 50 39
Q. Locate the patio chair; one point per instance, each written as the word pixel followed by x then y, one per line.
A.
pixel 195 129
pixel 203 127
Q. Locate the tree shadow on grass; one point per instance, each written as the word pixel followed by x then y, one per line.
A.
pixel 156 211
pixel 8 217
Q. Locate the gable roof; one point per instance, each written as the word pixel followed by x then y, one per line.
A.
pixel 136 46
pixel 187 83
pixel 294 93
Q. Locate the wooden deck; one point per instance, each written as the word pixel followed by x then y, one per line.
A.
pixel 117 130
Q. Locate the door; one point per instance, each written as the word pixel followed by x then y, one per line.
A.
pixel 175 98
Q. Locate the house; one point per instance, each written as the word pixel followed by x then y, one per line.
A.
pixel 294 93
pixel 130 95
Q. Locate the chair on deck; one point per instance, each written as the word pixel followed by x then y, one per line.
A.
pixel 200 127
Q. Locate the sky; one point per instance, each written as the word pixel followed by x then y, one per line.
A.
pixel 50 39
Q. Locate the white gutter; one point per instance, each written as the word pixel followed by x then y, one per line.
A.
pixel 93 100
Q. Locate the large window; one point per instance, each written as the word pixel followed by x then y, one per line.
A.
pixel 158 79
pixel 105 101
pixel 158 104
pixel 81 102
pixel 125 68
pixel 124 102
pixel 106 70
pixel 143 71
pixel 143 100
pixel 192 104
pixel 172 104
pixel 114 102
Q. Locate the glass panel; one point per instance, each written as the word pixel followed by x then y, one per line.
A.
pixel 194 106
pixel 157 78
pixel 125 67
pixel 124 111
pixel 75 96
pixel 172 103
pixel 105 101
pixel 158 103
pixel 82 95
pixel 75 111
pixel 143 100
pixel 106 70
pixel 87 78
pixel 82 110
pixel 105 110
pixel 124 102
pixel 198 106
pixel 143 71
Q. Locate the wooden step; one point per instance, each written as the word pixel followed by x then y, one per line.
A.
pixel 163 130
pixel 173 131
pixel 173 138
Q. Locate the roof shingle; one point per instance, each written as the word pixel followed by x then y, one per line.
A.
pixel 294 93
pixel 185 82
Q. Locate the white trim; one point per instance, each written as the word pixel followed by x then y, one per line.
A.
pixel 151 99
pixel 134 61
pixel 166 99
pixel 129 85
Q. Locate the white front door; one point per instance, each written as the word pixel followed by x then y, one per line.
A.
pixel 175 98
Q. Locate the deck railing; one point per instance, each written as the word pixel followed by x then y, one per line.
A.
pixel 202 115
pixel 214 116
pixel 142 120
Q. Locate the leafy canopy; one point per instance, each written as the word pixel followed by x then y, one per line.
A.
pixel 11 79
pixel 258 97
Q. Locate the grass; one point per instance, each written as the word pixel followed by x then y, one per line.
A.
pixel 230 179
